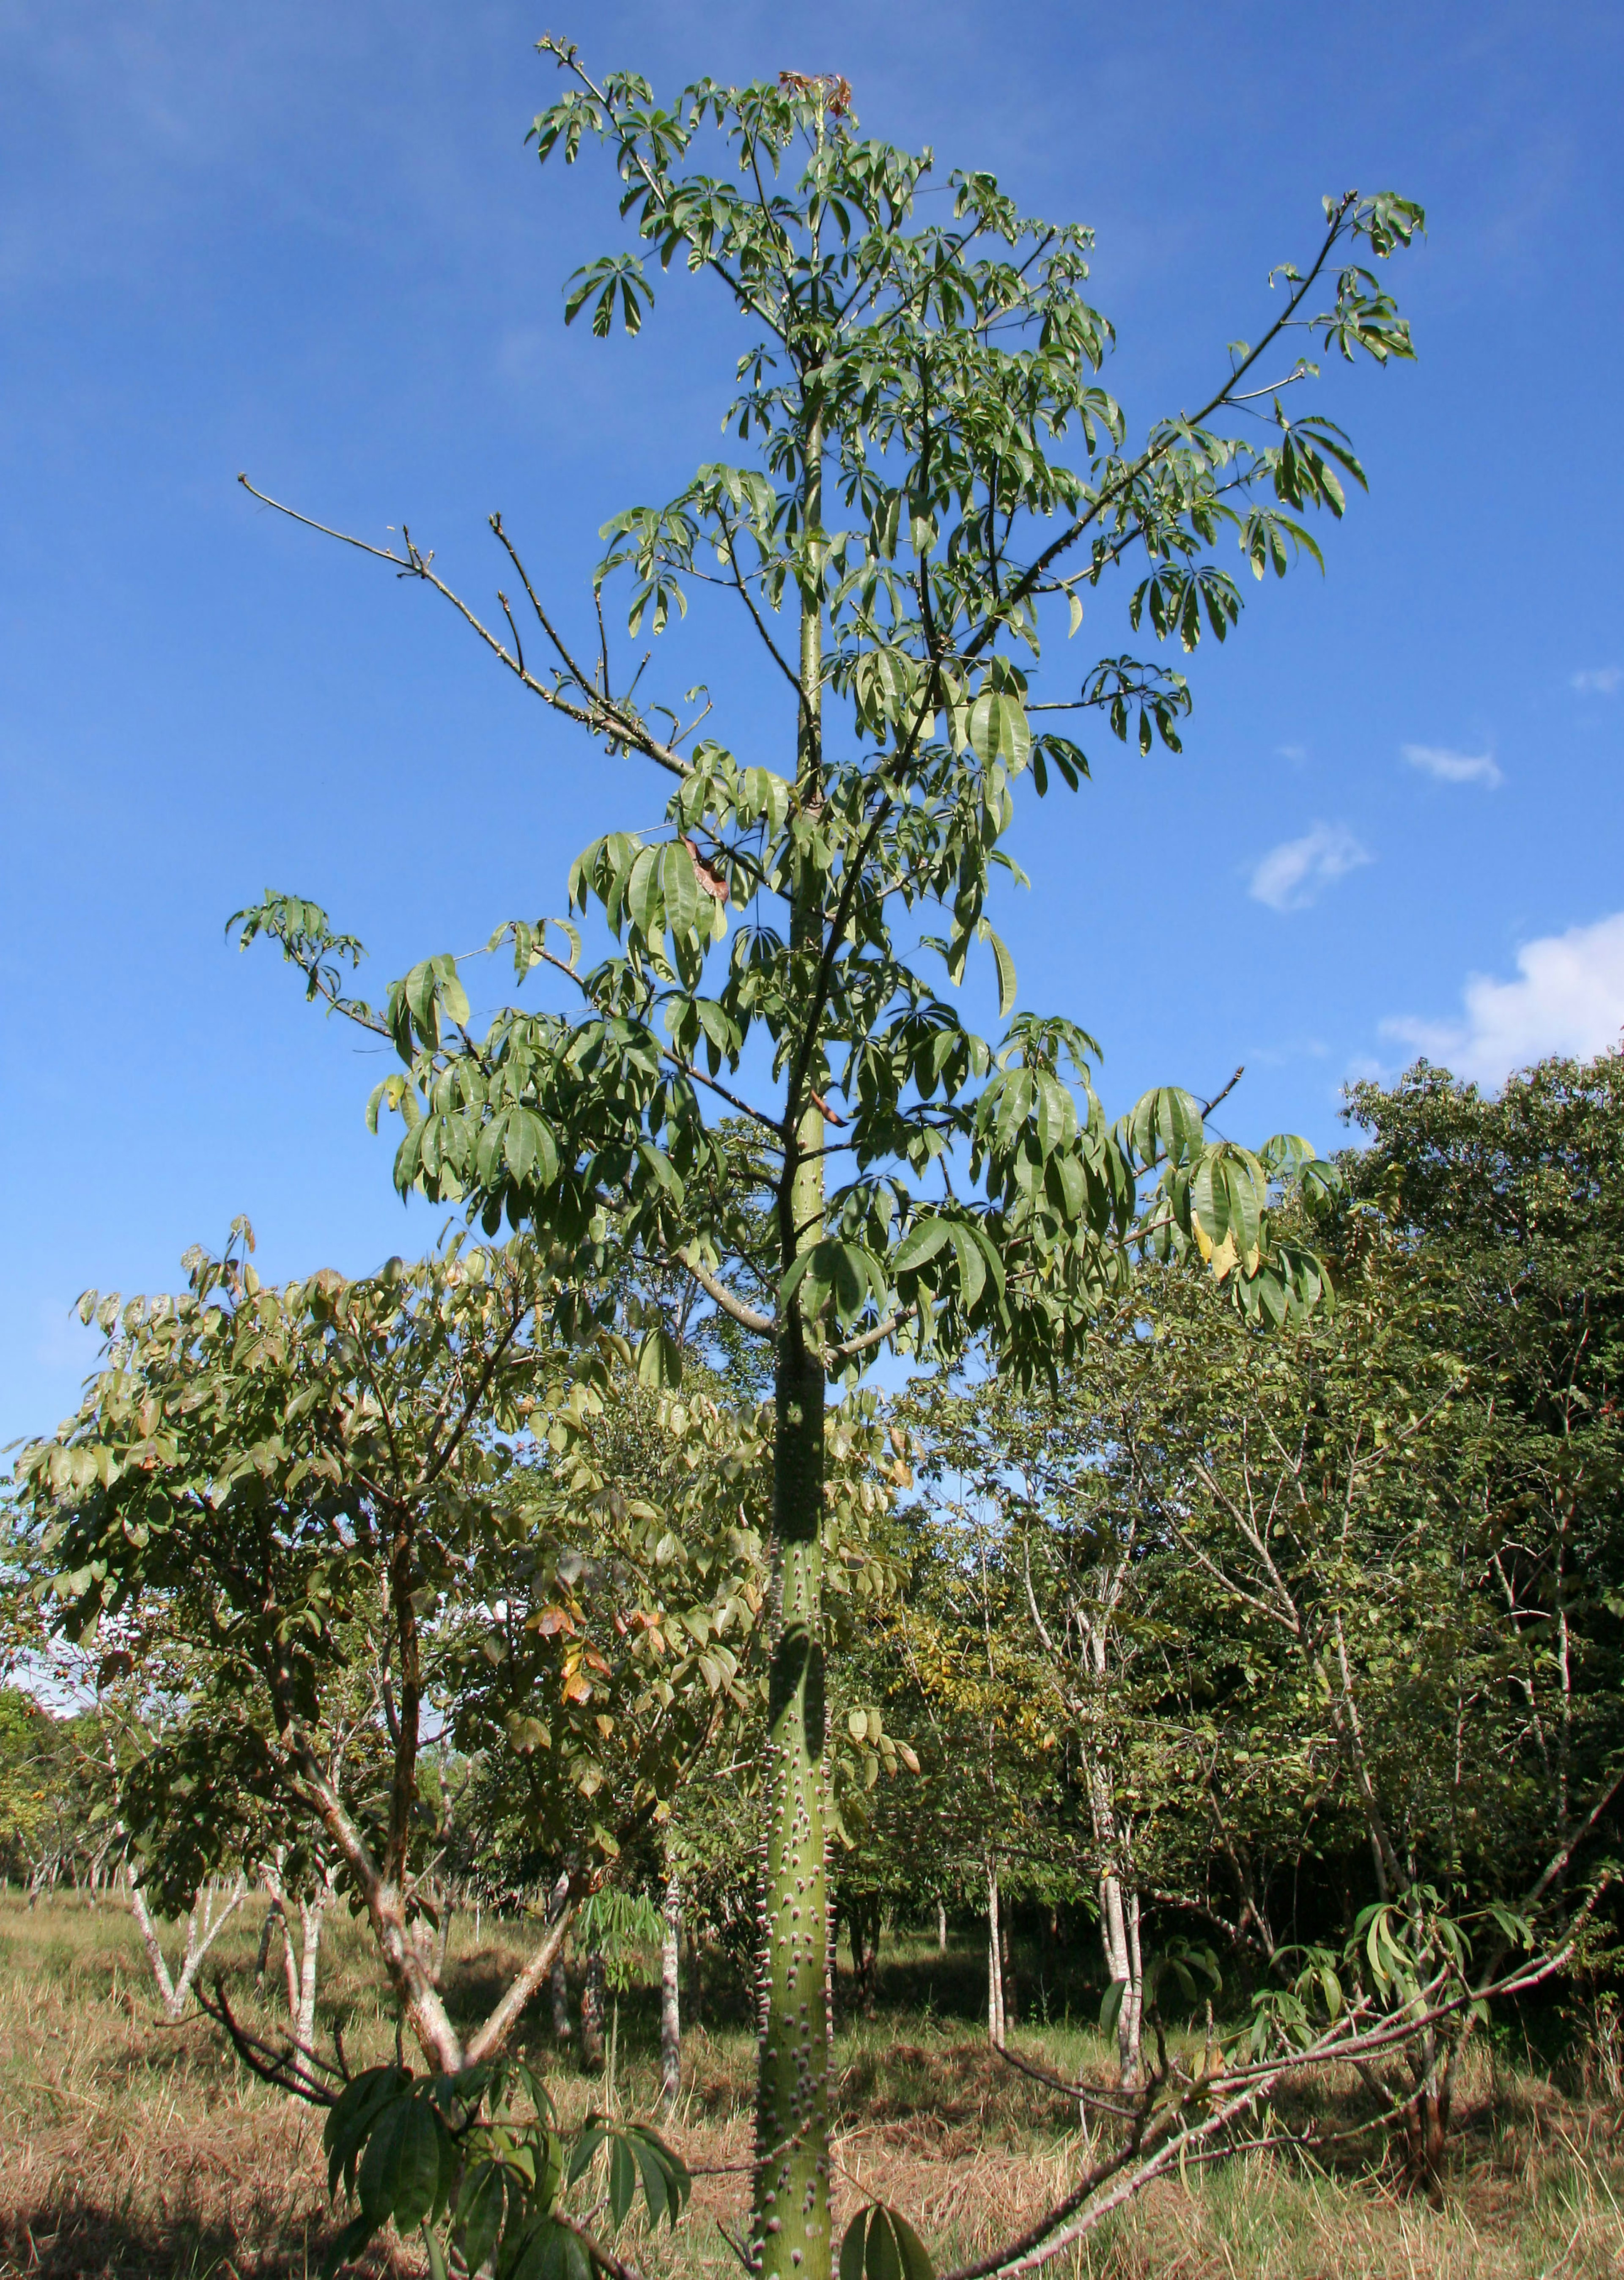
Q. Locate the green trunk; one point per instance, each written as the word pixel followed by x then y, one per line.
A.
pixel 791 2220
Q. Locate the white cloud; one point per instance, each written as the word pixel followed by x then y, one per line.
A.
pixel 1291 751
pixel 1598 681
pixel 1569 1000
pixel 1290 876
pixel 1454 767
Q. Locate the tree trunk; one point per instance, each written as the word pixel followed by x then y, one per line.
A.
pixel 790 2218
pixel 592 2013
pixel 559 1981
pixel 941 1927
pixel 1008 1983
pixel 1119 1932
pixel 863 1926
pixel 695 1980
pixel 994 1961
pixel 204 1927
pixel 273 1917
pixel 311 1914
pixel 671 1994
pixel 1426 2116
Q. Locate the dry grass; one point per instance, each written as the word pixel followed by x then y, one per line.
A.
pixel 134 2149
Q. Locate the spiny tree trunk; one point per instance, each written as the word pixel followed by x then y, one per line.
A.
pixel 790 2226
pixel 671 1994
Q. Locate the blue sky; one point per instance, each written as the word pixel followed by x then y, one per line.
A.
pixel 307 241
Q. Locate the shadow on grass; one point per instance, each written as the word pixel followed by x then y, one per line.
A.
pixel 78 2240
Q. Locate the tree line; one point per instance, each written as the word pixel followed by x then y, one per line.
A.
pixel 1223 1642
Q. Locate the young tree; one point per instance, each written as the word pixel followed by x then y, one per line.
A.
pixel 936 475
pixel 303 1516
pixel 1068 1551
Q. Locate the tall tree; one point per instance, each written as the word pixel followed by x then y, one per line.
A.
pixel 936 474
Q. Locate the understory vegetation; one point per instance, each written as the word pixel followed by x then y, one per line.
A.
pixel 139 2152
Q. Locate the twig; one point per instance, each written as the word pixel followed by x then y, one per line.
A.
pixel 284 2069
pixel 1207 1107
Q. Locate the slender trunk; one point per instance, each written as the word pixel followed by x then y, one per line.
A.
pixel 311 1914
pixel 1131 2019
pixel 267 1932
pixel 671 1994
pixel 696 1981
pixel 863 1923
pixel 789 2218
pixel 941 1927
pixel 592 2013
pixel 291 1971
pixel 559 1980
pixel 155 1954
pixel 1119 1933
pixel 994 1961
pixel 204 1927
pixel 1427 2116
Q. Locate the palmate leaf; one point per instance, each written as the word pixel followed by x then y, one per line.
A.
pixel 634 2152
pixel 350 2120
pixel 399 2172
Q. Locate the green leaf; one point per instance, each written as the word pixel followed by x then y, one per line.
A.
pixel 881 2245
pixel 660 1361
pixel 1006 969
pixel 622 2180
pixel 998 730
pixel 348 2244
pixel 922 1243
pixel 400 2169
pixel 350 2120
pixel 480 2203
pixel 546 2251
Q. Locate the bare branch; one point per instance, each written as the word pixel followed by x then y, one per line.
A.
pixel 762 1325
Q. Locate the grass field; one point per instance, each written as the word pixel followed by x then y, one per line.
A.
pixel 133 2148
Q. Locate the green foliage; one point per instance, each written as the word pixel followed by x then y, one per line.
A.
pixel 476 2162
pixel 942 368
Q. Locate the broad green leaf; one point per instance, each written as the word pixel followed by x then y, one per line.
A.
pixel 922 1243
pixel 1006 969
